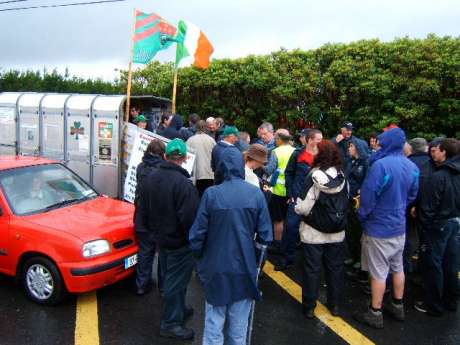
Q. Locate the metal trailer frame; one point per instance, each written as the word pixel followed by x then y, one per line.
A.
pixel 97 156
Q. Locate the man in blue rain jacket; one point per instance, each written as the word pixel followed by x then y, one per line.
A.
pixel 390 185
pixel 222 237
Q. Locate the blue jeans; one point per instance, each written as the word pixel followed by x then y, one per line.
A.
pixel 291 234
pixel 237 317
pixel 439 256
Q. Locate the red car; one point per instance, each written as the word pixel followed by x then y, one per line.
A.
pixel 57 234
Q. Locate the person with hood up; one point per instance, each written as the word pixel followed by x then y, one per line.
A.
pixel 390 185
pixel 228 143
pixel 322 241
pixel 153 156
pixel 358 170
pixel 440 220
pixel 173 130
pixel 169 203
pixel 222 238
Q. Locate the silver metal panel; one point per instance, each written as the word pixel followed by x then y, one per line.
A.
pixel 78 134
pixel 106 129
pixel 52 108
pixel 29 124
pixel 9 98
pixel 8 125
pixel 108 103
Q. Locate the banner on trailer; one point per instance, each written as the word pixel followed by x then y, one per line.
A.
pixel 140 141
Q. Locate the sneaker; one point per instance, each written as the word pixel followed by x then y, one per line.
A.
pixel 395 310
pixel 423 308
pixel 371 318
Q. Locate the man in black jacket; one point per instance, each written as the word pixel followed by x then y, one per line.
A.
pixel 169 203
pixel 439 212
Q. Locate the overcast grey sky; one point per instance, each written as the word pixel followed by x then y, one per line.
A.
pixel 92 41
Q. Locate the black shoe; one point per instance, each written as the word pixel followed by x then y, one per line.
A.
pixel 143 291
pixel 308 313
pixel 334 310
pixel 423 308
pixel 371 318
pixel 283 265
pixel 177 332
pixel 188 313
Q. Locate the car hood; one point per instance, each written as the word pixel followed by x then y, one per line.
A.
pixel 98 218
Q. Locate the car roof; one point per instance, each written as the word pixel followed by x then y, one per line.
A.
pixel 11 162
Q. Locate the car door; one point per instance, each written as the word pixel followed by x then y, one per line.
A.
pixel 5 259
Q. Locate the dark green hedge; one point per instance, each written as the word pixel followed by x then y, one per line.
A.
pixel 415 82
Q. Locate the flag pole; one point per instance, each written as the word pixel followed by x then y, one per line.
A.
pixel 130 71
pixel 174 91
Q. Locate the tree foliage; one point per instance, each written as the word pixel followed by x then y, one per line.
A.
pixel 414 82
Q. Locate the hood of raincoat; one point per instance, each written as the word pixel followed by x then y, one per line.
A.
pixel 361 147
pixel 391 143
pixel 231 165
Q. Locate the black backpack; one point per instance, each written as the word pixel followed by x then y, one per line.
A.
pixel 329 214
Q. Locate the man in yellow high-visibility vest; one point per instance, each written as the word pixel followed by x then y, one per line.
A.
pixel 278 201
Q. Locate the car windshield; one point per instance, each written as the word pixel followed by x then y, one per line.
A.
pixel 42 188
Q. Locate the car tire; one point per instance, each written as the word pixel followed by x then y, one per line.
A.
pixel 42 281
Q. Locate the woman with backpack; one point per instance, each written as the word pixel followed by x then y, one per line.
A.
pixel 323 207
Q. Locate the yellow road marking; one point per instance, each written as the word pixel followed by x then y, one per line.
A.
pixel 87 320
pixel 336 324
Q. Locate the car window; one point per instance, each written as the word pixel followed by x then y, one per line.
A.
pixel 43 187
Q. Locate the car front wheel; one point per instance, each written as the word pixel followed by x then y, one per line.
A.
pixel 42 281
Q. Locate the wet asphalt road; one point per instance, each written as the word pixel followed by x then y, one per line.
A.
pixel 126 319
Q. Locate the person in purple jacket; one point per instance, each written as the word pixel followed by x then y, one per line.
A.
pixel 391 184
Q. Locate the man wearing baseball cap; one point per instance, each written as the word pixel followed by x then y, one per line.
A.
pixel 169 202
pixel 343 141
pixel 227 143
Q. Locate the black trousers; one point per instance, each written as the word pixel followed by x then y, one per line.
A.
pixel 147 247
pixel 439 258
pixel 176 266
pixel 314 256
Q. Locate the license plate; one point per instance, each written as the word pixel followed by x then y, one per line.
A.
pixel 130 261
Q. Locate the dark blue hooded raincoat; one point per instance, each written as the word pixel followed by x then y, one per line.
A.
pixel 222 236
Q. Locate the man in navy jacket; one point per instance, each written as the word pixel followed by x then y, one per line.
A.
pixel 169 202
pixel 391 184
pixel 222 237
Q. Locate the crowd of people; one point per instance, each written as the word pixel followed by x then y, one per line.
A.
pixel 371 205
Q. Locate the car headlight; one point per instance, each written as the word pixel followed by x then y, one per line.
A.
pixel 95 248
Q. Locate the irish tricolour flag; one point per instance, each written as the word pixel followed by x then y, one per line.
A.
pixel 193 47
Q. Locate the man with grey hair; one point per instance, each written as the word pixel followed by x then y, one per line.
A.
pixel 212 127
pixel 419 154
pixel 266 135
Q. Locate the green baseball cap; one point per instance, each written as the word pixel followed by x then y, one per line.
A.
pixel 140 118
pixel 176 146
pixel 230 130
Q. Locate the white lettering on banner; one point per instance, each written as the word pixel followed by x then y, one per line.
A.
pixel 140 142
